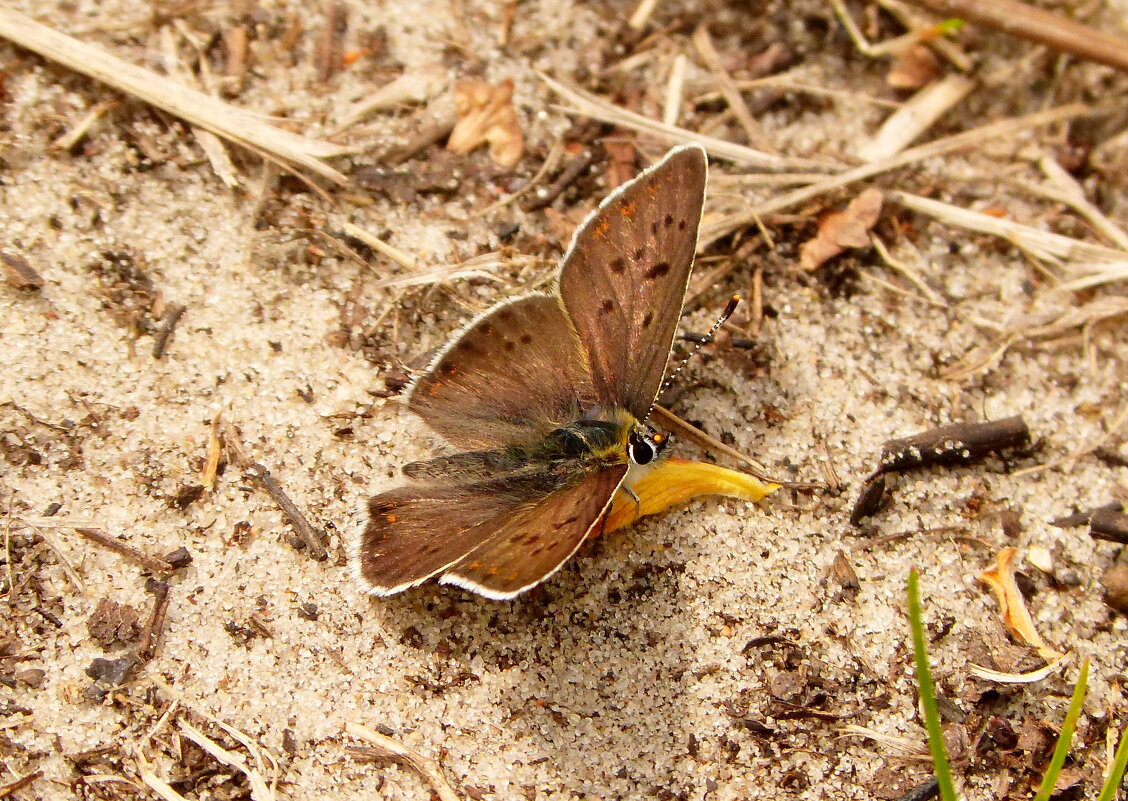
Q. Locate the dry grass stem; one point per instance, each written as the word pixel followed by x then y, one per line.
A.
pixel 588 105
pixel 931 296
pixel 83 126
pixel 68 568
pixel 477 267
pixel 380 246
pixel 1071 459
pixel 642 14
pixel 229 122
pixel 1020 678
pixel 414 86
pixel 711 232
pixel 260 789
pixel 916 116
pixel 787 83
pixel 675 87
pixel 1040 244
pixel 551 162
pixel 902 746
pixel 704 44
pixel 983 358
pixel 1036 25
pixel 393 749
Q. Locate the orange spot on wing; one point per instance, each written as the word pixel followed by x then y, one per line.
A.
pixel 493 571
pixel 628 209
pixel 391 517
pixel 601 228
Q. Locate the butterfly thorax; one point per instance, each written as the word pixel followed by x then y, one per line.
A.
pixel 587 444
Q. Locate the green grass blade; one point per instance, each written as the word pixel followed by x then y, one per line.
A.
pixel 928 694
pixel 1067 728
pixel 1116 775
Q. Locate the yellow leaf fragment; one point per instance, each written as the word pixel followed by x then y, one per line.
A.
pixel 1012 606
pixel 486 115
pixel 675 481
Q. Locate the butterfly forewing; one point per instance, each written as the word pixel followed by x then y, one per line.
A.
pixel 516 373
pixel 624 278
pixel 537 539
pixel 489 535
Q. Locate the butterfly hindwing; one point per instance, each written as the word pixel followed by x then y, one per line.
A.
pixel 513 375
pixel 536 540
pixel 624 278
pixel 496 537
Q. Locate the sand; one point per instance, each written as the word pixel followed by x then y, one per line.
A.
pixel 711 652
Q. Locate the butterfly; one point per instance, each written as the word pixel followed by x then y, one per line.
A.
pixel 546 398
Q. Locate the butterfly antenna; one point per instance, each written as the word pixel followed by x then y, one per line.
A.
pixel 730 307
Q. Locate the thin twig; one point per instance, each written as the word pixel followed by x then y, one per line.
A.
pixel 169 320
pixel 1036 25
pixel 122 547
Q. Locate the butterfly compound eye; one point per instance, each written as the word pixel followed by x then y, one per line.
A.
pixel 642 450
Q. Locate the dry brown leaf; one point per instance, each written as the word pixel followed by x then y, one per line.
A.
pixel 486 114
pixel 1012 605
pixel 913 68
pixel 844 229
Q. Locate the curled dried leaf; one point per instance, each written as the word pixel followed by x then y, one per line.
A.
pixel 844 229
pixel 1012 605
pixel 486 115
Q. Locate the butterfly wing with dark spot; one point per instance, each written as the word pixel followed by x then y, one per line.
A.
pixel 513 375
pixel 497 536
pixel 624 279
pixel 536 540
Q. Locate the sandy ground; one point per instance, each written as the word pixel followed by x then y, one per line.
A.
pixel 711 652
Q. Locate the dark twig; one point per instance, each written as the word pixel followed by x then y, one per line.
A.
pixel 309 535
pixel 1036 25
pixel 155 624
pixel 7 790
pixel 1086 517
pixel 18 273
pixel 125 549
pixel 1109 525
pixel 960 443
pixel 572 170
pixel 168 322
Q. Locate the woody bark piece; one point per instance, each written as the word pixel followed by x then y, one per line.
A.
pixel 960 443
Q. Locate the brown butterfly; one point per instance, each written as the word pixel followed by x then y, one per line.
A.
pixel 546 397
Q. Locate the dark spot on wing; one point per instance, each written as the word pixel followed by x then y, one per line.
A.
pixel 668 221
pixel 618 264
pixel 658 270
pixel 648 319
pixel 637 255
pixel 505 314
pixel 566 522
pixel 509 345
pixel 681 225
pixel 654 227
pixel 606 306
pixel 526 339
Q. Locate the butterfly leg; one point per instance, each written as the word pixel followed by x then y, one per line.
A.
pixel 634 497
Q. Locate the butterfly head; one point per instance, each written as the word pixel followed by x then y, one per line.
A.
pixel 645 445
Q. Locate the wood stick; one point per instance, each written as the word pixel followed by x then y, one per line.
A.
pixel 960 443
pixel 1035 25
pixel 125 549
